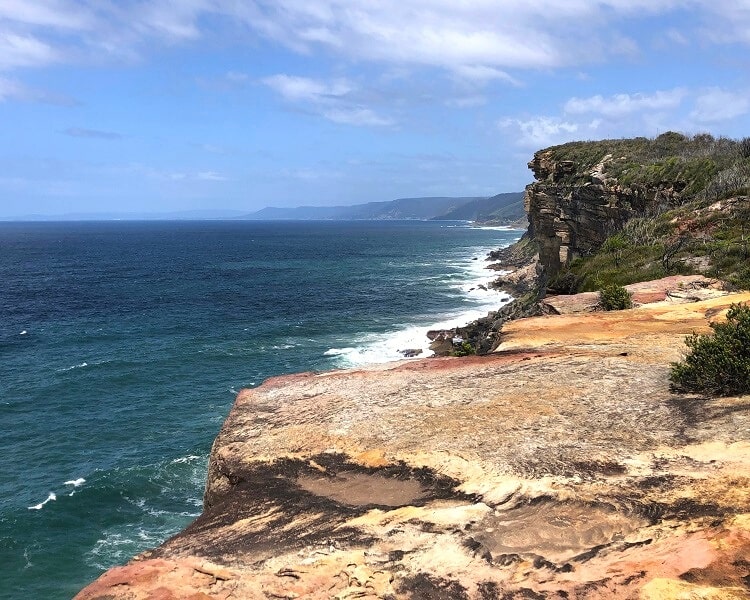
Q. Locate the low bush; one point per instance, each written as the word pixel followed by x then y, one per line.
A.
pixel 614 297
pixel 718 363
pixel 465 349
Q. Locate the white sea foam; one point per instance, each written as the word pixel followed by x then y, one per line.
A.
pixel 186 459
pixel 80 366
pixel 473 280
pixel 75 482
pixel 339 351
pixel 497 228
pixel 50 498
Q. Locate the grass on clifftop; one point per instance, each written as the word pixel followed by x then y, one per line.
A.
pixel 710 238
pixel 701 164
pixel 706 230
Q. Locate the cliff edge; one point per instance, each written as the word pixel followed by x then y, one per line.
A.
pixel 559 467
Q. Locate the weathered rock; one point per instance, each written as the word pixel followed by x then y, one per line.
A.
pixel 571 216
pixel 559 467
pixel 675 289
pixel 411 352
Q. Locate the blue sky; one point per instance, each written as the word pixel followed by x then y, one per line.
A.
pixel 125 106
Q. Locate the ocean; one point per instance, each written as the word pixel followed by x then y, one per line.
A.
pixel 123 345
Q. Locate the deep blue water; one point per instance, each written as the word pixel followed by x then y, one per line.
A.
pixel 122 345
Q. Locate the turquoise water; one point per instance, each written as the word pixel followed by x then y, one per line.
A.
pixel 122 346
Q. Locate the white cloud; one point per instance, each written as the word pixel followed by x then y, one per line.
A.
pixel 18 50
pixel 210 176
pixel 621 105
pixel 14 90
pixel 727 21
pixel 334 100
pixel 483 40
pixel 306 89
pixel 357 116
pixel 716 104
pixel 540 132
pixel 47 13
pixel 483 74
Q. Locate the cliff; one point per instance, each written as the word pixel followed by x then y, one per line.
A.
pixel 559 467
pixel 587 191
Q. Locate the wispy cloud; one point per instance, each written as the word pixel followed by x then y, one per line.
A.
pixel 357 116
pixel 716 104
pixel 14 90
pixel 539 132
pixel 210 176
pixel 483 74
pixel 482 39
pixel 82 132
pixel 620 105
pixel 336 100
pixel 22 50
pixel 307 90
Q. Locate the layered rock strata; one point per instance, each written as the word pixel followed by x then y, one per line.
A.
pixel 572 212
pixel 559 467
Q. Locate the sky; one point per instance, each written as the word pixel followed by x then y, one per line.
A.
pixel 181 105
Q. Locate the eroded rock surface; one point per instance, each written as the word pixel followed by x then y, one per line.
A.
pixel 559 467
pixel 572 211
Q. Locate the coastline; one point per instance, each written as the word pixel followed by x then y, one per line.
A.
pixel 415 340
pixel 518 474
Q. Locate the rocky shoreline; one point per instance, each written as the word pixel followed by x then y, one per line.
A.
pixel 522 278
pixel 557 467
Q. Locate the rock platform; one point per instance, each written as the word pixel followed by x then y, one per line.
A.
pixel 560 467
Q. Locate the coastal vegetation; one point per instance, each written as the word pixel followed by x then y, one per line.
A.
pixel 702 236
pixel 697 219
pixel 718 363
pixel 464 349
pixel 614 297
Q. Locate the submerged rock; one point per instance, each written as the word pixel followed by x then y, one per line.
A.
pixel 411 352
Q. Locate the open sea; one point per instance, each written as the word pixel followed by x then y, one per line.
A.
pixel 123 344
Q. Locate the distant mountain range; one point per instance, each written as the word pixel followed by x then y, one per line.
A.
pixel 502 208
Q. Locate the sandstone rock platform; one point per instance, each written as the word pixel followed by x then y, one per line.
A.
pixel 558 467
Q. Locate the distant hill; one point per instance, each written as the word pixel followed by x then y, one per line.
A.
pixel 440 208
pixel 502 208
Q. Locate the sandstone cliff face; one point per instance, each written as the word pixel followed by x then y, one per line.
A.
pixel 571 210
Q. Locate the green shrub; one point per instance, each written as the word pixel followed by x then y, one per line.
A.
pixel 465 349
pixel 717 363
pixel 614 297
